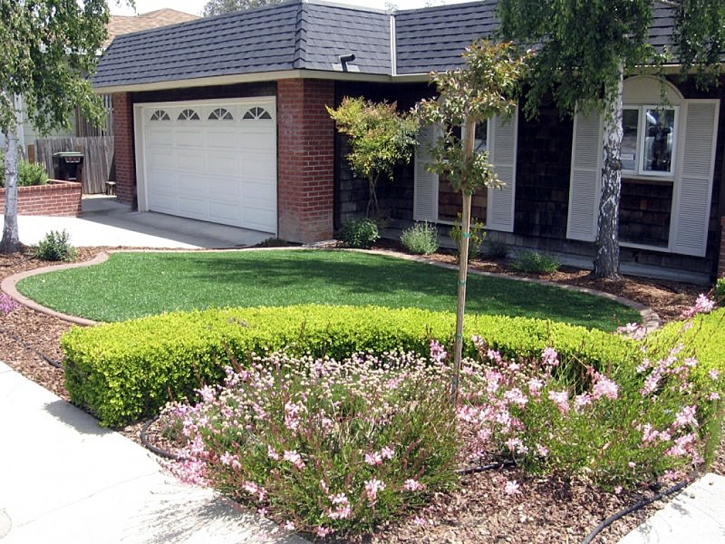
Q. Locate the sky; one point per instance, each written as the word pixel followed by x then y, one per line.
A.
pixel 197 6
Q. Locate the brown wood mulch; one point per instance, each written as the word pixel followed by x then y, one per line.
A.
pixel 545 510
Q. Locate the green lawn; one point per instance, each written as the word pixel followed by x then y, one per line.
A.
pixel 132 285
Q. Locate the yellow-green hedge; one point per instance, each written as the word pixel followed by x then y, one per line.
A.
pixel 125 371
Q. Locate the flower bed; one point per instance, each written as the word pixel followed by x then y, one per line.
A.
pixel 56 198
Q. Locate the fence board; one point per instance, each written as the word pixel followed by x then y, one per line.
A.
pixel 97 152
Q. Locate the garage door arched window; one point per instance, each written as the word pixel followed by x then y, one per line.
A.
pixel 257 113
pixel 188 115
pixel 160 115
pixel 221 114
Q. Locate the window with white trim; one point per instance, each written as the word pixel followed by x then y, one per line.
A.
pixel 650 140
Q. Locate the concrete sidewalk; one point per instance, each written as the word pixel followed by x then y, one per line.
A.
pixel 106 222
pixel 64 479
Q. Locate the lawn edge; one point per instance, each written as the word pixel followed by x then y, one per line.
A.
pixel 650 320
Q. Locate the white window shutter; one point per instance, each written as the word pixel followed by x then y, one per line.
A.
pixel 586 171
pixel 693 186
pixel 425 191
pixel 503 138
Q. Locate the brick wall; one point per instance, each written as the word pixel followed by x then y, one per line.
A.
pixel 57 198
pixel 124 148
pixel 306 154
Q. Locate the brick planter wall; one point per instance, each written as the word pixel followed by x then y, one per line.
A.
pixel 57 198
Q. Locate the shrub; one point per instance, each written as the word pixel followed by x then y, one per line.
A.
pixel 475 242
pixel 122 372
pixel 495 249
pixel 28 173
pixel 324 445
pixel 55 247
pixel 360 233
pixel 534 262
pixel 420 239
pixel 719 291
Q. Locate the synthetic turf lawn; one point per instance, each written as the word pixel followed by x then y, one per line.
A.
pixel 131 285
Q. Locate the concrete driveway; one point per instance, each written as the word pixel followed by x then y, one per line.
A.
pixel 106 222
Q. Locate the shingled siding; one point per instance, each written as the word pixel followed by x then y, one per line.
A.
pixel 542 175
pixel 125 162
pixel 306 157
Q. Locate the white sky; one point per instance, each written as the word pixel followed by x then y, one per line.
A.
pixel 197 6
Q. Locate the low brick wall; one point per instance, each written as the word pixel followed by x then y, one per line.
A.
pixel 721 263
pixel 57 198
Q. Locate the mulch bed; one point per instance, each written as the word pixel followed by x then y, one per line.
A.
pixel 546 510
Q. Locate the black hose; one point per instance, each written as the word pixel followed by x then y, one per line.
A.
pixel 611 519
pixel 158 451
pixel 50 361
pixel 482 468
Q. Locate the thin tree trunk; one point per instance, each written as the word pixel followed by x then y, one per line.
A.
pixel 11 241
pixel 606 263
pixel 469 136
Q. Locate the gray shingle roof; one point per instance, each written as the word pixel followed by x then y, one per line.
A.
pixel 304 35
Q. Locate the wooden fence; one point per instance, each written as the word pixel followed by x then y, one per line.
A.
pixel 97 162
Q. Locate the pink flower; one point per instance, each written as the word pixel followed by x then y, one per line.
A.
pixel 511 487
pixel 417 520
pixel 649 434
pixel 633 330
pixel 550 357
pixel 289 526
pixel 580 401
pixel 387 453
pixel 373 459
pixel 493 381
pixel 372 487
pixel 272 454
pixel 437 353
pixel 542 451
pixel 535 386
pixel 294 458
pixel 703 305
pixel 494 356
pixel 618 490
pixel 322 532
pixel 686 416
pixel 254 489
pixel 604 387
pixel 713 396
pixel 714 374
pixel 412 485
pixel 515 396
pixel 341 507
pixel 515 444
pixel 561 399
pixel 228 459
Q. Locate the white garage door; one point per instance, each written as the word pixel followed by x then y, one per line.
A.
pixel 210 160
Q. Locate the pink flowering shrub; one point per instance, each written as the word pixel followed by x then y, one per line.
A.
pixel 619 428
pixel 7 304
pixel 323 446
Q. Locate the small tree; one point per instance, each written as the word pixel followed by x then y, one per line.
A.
pixel 219 7
pixel 380 138
pixel 470 95
pixel 48 50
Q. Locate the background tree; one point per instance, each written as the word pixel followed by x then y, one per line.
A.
pixel 219 7
pixel 483 89
pixel 380 137
pixel 584 50
pixel 48 49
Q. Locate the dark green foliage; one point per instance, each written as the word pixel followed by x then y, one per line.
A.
pixel 719 291
pixel 359 233
pixel 420 239
pixel 55 247
pixel 494 249
pixel 126 371
pixel 28 173
pixel 534 262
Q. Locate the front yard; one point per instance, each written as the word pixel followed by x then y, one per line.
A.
pixel 132 285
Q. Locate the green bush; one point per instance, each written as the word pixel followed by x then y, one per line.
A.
pixel 494 249
pixel 719 291
pixel 125 371
pixel 28 173
pixel 420 239
pixel 475 242
pixel 534 262
pixel 359 233
pixel 55 247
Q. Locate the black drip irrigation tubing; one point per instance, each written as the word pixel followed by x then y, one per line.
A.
pixel 483 468
pixel 619 515
pixel 158 451
pixel 52 362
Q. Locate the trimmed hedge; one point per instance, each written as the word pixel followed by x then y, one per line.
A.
pixel 126 371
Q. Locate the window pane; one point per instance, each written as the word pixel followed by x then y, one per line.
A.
pixel 659 132
pixel 630 123
pixel 481 143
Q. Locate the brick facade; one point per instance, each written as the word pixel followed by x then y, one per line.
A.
pixel 57 198
pixel 306 156
pixel 123 136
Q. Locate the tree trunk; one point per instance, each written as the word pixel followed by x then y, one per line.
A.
pixel 469 136
pixel 11 241
pixel 606 263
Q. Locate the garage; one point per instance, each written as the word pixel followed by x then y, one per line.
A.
pixel 209 160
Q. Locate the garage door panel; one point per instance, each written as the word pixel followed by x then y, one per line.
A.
pixel 211 167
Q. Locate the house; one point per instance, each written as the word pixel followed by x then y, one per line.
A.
pixel 223 119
